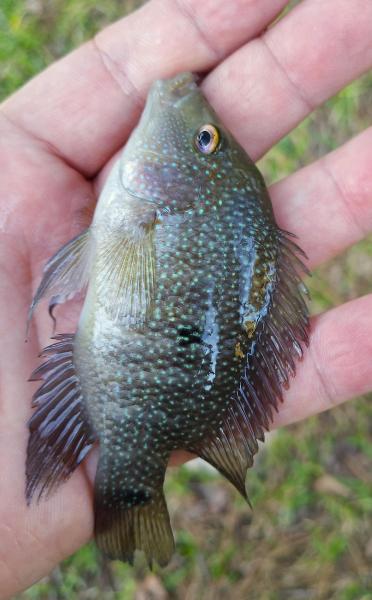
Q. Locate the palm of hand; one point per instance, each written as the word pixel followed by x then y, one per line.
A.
pixel 52 529
pixel 53 157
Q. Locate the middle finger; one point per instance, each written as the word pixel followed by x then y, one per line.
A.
pixel 328 204
pixel 267 87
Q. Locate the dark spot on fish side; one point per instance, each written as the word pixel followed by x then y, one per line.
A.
pixel 188 335
pixel 135 497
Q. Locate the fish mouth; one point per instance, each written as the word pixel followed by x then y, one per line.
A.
pixel 176 89
pixel 167 94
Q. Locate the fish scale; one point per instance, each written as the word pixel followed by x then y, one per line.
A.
pixel 191 326
pixel 153 359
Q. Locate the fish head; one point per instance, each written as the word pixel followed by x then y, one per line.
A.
pixel 180 156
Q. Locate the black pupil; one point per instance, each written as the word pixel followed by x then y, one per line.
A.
pixel 204 139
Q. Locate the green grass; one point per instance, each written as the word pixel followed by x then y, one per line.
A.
pixel 310 533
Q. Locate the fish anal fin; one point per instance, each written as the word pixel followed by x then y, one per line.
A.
pixel 60 436
pixel 65 273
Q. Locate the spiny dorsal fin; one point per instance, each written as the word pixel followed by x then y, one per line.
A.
pixel 274 343
pixel 60 436
pixel 66 273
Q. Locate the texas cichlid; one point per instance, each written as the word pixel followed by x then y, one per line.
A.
pixel 192 323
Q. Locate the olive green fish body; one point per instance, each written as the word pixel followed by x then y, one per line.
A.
pixel 169 379
pixel 191 325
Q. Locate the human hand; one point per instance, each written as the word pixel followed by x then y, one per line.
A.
pixel 57 136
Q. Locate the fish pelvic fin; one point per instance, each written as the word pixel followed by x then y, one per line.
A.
pixel 132 521
pixel 273 345
pixel 60 436
pixel 231 452
pixel 65 274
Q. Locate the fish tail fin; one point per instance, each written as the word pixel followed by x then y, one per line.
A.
pixel 125 524
pixel 60 436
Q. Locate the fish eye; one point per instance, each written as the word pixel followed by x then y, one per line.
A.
pixel 207 139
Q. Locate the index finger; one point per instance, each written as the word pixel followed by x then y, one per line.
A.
pixel 85 105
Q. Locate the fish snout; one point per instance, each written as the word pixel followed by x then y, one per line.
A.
pixel 171 90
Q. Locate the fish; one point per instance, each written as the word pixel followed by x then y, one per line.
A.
pixel 194 318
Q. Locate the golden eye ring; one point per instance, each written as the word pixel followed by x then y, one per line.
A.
pixel 207 139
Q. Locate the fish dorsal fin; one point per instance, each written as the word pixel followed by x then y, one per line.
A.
pixel 273 344
pixel 66 273
pixel 126 274
pixel 60 436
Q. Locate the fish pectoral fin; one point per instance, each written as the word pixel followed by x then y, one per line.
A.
pixel 121 529
pixel 60 436
pixel 127 274
pixel 66 273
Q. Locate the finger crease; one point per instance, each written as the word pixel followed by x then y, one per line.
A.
pixel 9 535
pixel 343 197
pixel 187 12
pixel 299 92
pixel 47 144
pixel 327 392
pixel 117 73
